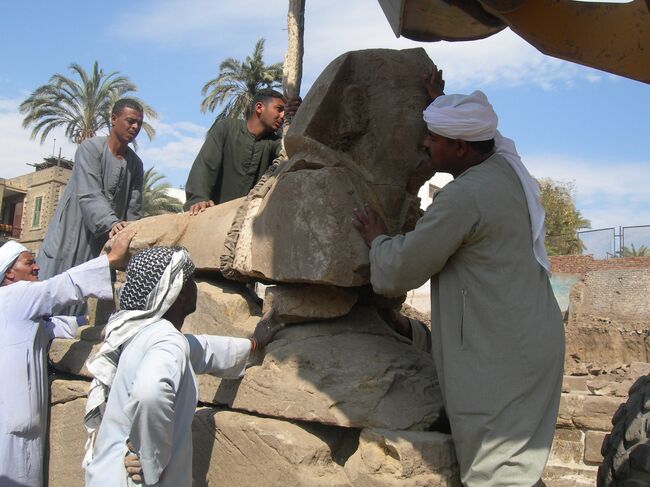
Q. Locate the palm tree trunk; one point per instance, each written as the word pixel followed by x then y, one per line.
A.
pixel 292 71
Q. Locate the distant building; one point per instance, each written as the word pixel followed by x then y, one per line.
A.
pixel 27 202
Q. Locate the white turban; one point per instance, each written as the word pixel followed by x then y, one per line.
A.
pixel 9 252
pixel 472 118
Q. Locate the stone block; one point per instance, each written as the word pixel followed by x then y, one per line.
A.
pixel 395 458
pixel 568 447
pixel 203 234
pixel 574 384
pixel 639 369
pixel 70 356
pixel 66 443
pixel 574 476
pixel 62 391
pixel 596 413
pixel 296 303
pixel 593 443
pixel 607 385
pixel 223 308
pixel 569 405
pixel 232 448
pixel 352 371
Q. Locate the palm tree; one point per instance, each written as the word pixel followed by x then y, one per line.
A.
pixel 155 199
pixel 238 82
pixel 82 108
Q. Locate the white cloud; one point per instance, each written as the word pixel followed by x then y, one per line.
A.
pixel 609 193
pixel 337 26
pixel 175 145
pixel 17 147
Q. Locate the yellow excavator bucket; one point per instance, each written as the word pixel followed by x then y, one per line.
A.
pixel 613 37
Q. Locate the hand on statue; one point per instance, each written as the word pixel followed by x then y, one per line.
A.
pixel 369 224
pixel 265 330
pixel 291 107
pixel 434 83
pixel 200 207
pixel 119 255
pixel 117 228
pixel 133 465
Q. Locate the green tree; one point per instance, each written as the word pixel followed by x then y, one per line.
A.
pixel 563 219
pixel 631 251
pixel 82 108
pixel 155 199
pixel 238 82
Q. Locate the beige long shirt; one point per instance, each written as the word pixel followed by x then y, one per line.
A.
pixel 497 333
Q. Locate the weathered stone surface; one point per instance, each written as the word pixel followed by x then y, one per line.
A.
pixel 296 303
pixel 242 450
pixel 575 384
pixel 568 447
pixel 639 369
pixel 597 413
pixel 70 356
pixel 62 390
pixel 608 386
pixel 66 446
pixel 223 308
pixel 203 234
pixel 609 322
pixel 573 476
pixel 401 458
pixel 593 443
pixel 351 371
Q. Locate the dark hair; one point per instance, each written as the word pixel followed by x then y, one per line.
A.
pixel 263 96
pixel 123 103
pixel 482 146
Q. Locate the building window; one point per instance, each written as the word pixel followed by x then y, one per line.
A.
pixel 36 216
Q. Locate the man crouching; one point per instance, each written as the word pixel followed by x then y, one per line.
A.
pixel 145 391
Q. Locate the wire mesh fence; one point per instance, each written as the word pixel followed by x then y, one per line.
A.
pixel 612 242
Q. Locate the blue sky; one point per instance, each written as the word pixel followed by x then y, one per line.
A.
pixel 569 122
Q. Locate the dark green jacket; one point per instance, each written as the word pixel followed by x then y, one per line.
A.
pixel 230 162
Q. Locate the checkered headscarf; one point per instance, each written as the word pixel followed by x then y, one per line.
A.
pixel 145 271
pixel 154 279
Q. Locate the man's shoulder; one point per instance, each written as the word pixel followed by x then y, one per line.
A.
pixel 163 331
pixel 228 124
pixel 96 143
pixel 132 156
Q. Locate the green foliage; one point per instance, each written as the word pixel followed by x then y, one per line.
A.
pixel 155 200
pixel 563 220
pixel 631 251
pixel 238 82
pixel 82 108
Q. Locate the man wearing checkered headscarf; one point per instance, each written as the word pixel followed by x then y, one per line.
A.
pixel 145 389
pixel 496 330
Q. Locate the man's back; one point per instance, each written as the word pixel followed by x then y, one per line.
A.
pixel 152 403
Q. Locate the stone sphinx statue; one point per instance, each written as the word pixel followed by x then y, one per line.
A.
pixel 356 138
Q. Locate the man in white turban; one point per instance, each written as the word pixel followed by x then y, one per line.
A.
pixel 145 390
pixel 497 335
pixel 26 329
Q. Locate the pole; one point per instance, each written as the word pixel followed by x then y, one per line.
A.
pixel 292 70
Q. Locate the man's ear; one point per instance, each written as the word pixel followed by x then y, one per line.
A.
pixel 113 119
pixel 462 148
pixel 259 107
pixel 9 275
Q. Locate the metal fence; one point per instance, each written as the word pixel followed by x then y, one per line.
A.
pixel 607 243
